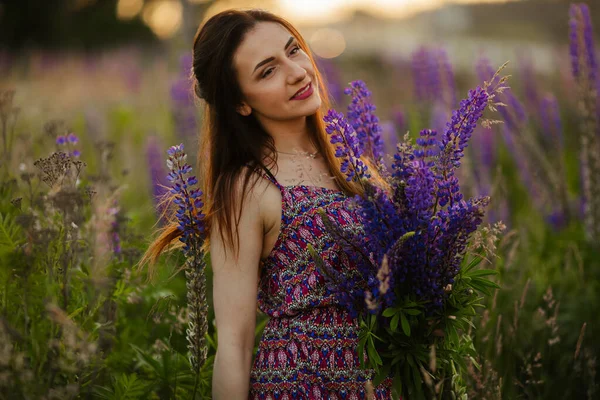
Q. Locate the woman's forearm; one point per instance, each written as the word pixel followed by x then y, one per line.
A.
pixel 231 375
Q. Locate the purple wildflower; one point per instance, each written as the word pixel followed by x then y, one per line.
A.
pixel 551 121
pixel 447 75
pixel 583 54
pixel 454 141
pixel 187 198
pixel 361 115
pixel 348 148
pixel 61 140
pixel 421 227
pixel 426 75
pixel 72 138
pixel 76 153
pixel 585 69
pixel 182 101
pixel 399 118
pixel 331 75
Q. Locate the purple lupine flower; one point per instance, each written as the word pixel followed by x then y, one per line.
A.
pixel 426 75
pixel 75 153
pixel 447 75
pixel 361 115
pixel 421 227
pixel 182 101
pixel 187 198
pixel 399 118
pixel 581 32
pixel 331 74
pixel 157 171
pixel 527 73
pixel 61 140
pixel 420 64
pixel 484 158
pixel 551 121
pixel 585 70
pixel 455 140
pixel 348 148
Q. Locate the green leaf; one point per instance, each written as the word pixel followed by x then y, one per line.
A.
pixel 485 282
pixel 405 324
pixel 474 262
pixel 411 311
pixel 483 272
pixel 381 375
pixel 394 322
pixel 389 312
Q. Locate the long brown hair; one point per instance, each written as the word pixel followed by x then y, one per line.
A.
pixel 230 141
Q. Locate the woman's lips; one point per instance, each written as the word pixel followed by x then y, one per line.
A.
pixel 304 92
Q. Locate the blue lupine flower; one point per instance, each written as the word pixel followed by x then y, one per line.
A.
pixel 187 198
pixel 585 68
pixel 421 226
pixel 182 101
pixel 349 148
pixel 447 75
pixel 361 115
pixel 551 121
pixel 331 75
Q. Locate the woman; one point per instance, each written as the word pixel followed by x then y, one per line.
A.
pixel 267 166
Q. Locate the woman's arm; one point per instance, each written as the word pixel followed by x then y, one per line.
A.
pixel 235 286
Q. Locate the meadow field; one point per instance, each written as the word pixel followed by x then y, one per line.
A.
pixel 83 160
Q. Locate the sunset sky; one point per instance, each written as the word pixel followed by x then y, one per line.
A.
pixel 317 11
pixel 164 16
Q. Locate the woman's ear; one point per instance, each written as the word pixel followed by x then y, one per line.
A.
pixel 244 109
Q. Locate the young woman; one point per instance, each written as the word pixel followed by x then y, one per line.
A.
pixel 266 168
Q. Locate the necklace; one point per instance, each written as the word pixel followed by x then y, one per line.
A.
pixel 311 155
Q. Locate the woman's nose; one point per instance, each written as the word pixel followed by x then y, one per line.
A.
pixel 297 73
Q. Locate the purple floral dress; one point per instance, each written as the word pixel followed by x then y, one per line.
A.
pixel 308 349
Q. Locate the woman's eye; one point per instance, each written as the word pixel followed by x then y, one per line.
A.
pixel 264 75
pixel 267 71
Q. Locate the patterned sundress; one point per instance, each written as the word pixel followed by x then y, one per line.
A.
pixel 308 349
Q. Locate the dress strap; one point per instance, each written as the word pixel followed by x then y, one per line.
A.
pixel 268 175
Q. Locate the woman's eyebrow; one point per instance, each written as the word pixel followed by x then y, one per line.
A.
pixel 268 60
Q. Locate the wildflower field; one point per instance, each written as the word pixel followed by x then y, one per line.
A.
pixel 83 162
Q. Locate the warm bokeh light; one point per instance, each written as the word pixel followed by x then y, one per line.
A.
pixel 316 11
pixel 164 17
pixel 312 12
pixel 327 43
pixel 222 5
pixel 128 9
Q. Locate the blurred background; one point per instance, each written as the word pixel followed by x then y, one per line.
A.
pixel 115 73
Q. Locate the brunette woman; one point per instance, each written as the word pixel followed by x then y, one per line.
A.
pixel 266 167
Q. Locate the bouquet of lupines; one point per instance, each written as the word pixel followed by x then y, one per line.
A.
pixel 190 217
pixel 415 292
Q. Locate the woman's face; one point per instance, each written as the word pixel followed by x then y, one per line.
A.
pixel 271 68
